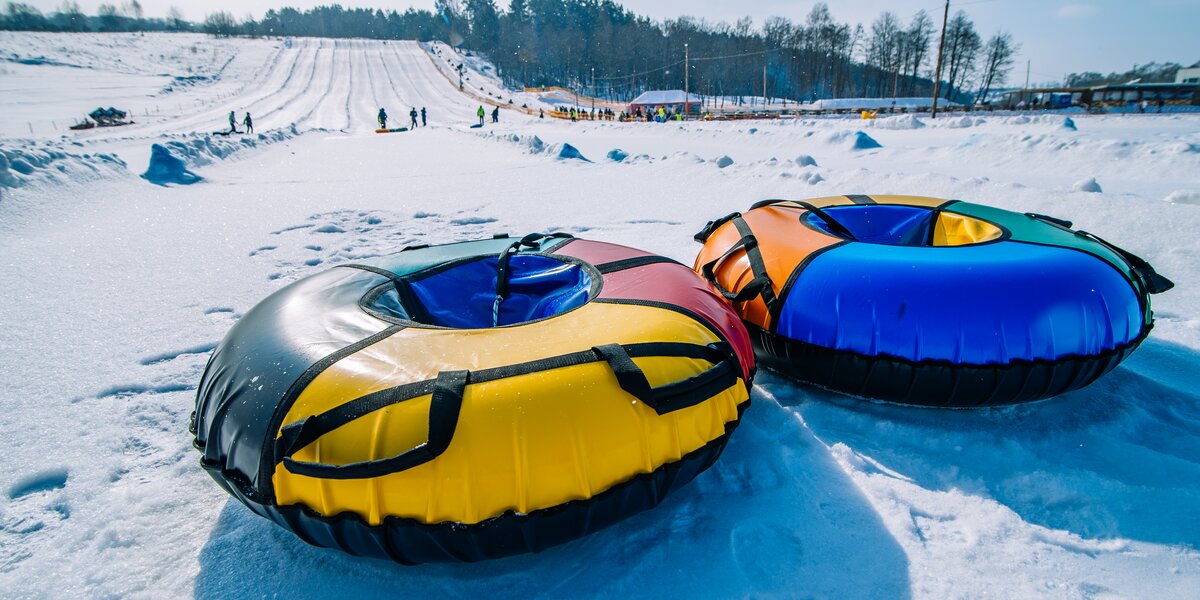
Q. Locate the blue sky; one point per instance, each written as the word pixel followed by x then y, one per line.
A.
pixel 1056 36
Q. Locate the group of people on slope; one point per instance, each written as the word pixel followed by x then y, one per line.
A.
pixel 382 117
pixel 481 113
pixel 596 114
pixel 661 115
pixel 248 122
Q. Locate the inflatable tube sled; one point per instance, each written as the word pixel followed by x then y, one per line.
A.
pixel 392 130
pixel 473 400
pixel 926 301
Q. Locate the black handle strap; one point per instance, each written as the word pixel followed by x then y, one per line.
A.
pixel 448 388
pixel 533 240
pixel 761 285
pixel 444 406
pixel 750 290
pixel 677 395
pixel 1062 223
pixel 703 235
pixel 1150 280
pixel 833 224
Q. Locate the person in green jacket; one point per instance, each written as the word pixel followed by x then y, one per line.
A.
pixel 480 114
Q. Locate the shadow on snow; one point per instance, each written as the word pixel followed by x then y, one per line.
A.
pixel 1120 458
pixel 775 516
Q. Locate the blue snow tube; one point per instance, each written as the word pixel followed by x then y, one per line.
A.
pixel 927 301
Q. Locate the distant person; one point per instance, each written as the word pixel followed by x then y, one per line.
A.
pixel 480 113
pixel 412 114
pixel 573 115
pixel 1142 106
pixel 496 115
pixel 382 118
pixel 542 113
pixel 249 123
pixel 423 123
pixel 232 122
pixel 1160 104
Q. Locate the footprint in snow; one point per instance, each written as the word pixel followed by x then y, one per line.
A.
pixel 349 236
pixel 473 221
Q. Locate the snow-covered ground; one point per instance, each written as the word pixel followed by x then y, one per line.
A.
pixel 114 290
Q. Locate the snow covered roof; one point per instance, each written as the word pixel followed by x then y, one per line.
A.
pixel 664 97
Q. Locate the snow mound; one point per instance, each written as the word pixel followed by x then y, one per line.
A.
pixel 167 168
pixel 723 162
pixel 1184 197
pixel 855 140
pixel 569 152
pixel 616 155
pixel 805 160
pixel 899 122
pixel 809 177
pixel 972 140
pixel 964 122
pixel 52 164
pixel 1089 185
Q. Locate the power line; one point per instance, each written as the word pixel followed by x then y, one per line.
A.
pixel 679 62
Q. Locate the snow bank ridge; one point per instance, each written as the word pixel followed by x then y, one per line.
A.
pixel 50 163
pixel 900 122
pixel 205 149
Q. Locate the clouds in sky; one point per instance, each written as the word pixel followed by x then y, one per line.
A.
pixel 1076 11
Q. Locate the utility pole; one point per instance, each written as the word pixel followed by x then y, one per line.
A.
pixel 593 92
pixel 686 83
pixel 1027 79
pixel 937 77
pixel 764 86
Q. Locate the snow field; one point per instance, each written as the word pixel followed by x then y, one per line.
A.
pixel 115 290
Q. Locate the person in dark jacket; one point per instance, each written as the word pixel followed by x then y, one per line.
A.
pixel 496 115
pixel 382 118
pixel 423 122
pixel 249 123
pixel 232 122
pixel 412 114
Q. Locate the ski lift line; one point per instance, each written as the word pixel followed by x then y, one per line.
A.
pixel 703 58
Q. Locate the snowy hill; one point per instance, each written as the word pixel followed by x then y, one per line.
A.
pixel 116 290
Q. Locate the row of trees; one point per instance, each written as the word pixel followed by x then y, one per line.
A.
pixel 126 16
pixel 600 44
pixel 547 41
pixel 1148 73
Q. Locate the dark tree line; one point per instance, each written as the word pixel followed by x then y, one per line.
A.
pixel 581 43
pixel 1148 73
pixel 68 17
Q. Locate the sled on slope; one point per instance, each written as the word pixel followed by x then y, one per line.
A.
pixel 393 130
pixel 477 126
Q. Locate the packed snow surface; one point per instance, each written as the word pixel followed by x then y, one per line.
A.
pixel 115 290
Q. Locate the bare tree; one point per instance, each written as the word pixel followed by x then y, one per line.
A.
pixel 132 9
pixel 918 37
pixel 175 18
pixel 883 51
pixel 962 50
pixel 70 17
pixel 997 62
pixel 220 24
